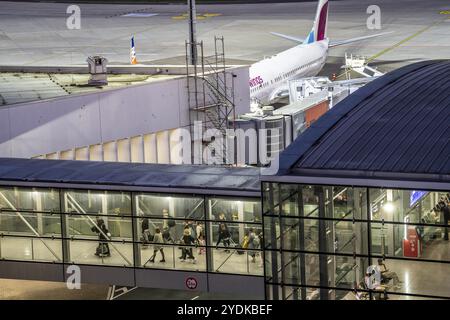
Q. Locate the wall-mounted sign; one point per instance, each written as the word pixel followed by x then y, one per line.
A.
pixel 191 283
pixel 416 196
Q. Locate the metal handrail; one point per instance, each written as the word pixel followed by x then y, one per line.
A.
pixel 29 226
pixel 234 250
pixel 81 210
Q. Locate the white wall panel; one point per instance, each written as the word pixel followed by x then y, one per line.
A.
pixel 110 151
pixel 141 109
pixel 163 147
pixel 52 156
pixel 43 127
pixel 82 153
pixel 96 152
pixel 67 155
pixel 123 150
pixel 137 149
pixel 150 150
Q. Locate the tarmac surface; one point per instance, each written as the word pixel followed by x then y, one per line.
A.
pixel 37 34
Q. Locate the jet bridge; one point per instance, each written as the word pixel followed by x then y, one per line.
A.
pixel 49 211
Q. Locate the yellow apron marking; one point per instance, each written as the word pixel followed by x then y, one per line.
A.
pixel 398 44
pixel 405 40
pixel 212 14
pixel 199 16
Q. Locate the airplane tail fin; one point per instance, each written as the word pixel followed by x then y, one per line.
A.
pixel 133 59
pixel 319 30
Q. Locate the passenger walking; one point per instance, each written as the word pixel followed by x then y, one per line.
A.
pixel 187 240
pixel 145 231
pixel 198 230
pixel 189 225
pixel 253 243
pixel 199 233
pixel 201 243
pixel 222 216
pixel 167 237
pixel 103 235
pixel 224 236
pixel 158 241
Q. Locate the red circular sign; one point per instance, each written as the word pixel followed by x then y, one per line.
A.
pixel 191 283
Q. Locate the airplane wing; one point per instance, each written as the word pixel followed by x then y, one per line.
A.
pixel 347 41
pixel 332 43
pixel 295 39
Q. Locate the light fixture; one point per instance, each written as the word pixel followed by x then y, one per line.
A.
pixel 388 207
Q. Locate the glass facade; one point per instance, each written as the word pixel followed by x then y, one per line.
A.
pixel 320 242
pixel 140 230
pixel 337 242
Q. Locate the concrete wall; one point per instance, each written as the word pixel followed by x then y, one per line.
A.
pixel 66 123
pixel 144 148
pixel 252 286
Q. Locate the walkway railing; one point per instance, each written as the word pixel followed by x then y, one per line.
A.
pixel 36 233
pixel 80 209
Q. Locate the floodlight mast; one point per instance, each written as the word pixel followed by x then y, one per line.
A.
pixel 192 32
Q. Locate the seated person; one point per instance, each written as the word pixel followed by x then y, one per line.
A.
pixel 387 275
pixel 372 283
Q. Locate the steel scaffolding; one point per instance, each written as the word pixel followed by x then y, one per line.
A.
pixel 210 91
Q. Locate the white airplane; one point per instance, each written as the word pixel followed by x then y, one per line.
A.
pixel 269 77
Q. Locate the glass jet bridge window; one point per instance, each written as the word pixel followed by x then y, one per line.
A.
pixel 30 224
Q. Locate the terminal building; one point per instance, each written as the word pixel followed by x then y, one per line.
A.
pixel 362 186
pixel 365 182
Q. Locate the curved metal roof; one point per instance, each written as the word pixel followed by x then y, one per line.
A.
pixel 397 126
pixel 87 174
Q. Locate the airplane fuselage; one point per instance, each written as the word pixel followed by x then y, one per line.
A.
pixel 269 77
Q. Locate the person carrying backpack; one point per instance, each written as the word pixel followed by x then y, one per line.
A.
pixel 103 236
